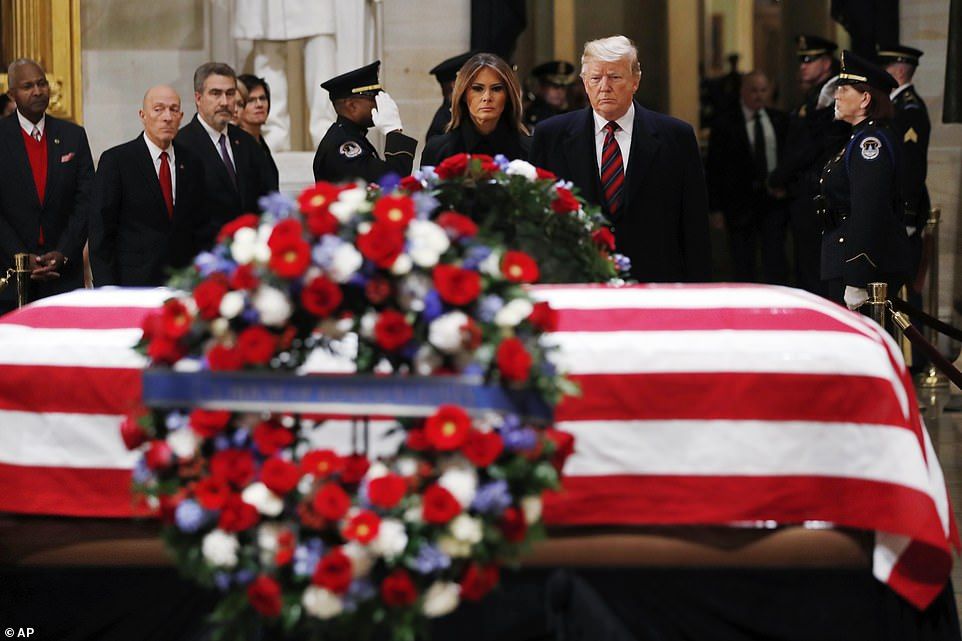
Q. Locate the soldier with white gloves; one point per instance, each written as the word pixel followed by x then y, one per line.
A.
pixel 345 152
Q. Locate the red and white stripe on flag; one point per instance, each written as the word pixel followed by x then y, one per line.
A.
pixel 701 404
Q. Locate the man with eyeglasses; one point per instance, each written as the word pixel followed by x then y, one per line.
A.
pixel 643 168
pixel 149 214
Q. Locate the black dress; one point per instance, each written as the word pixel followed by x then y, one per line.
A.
pixel 275 175
pixel 466 139
pixel 861 205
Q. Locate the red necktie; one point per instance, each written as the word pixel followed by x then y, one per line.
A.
pixel 612 170
pixel 166 185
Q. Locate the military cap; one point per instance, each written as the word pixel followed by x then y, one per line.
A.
pixel 856 69
pixel 359 82
pixel 888 54
pixel 555 72
pixel 448 70
pixel 808 48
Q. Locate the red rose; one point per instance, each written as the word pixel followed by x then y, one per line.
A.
pixel 321 463
pixel 514 361
pixel 519 267
pixel 387 491
pixel 309 517
pixel 152 326
pixel 564 446
pixel 439 506
pixel 233 466
pixel 244 278
pixel 224 359
pixel 397 589
pixel 544 174
pixel 270 437
pixel 416 440
pixel 411 184
pixel 544 317
pixel 478 580
pixel 457 225
pixel 256 345
pixel 456 286
pixel 230 228
pixel 320 223
pixel 382 244
pixel 132 432
pixel 264 594
pixel 165 351
pixel 208 423
pixel 486 163
pixel 208 295
pixel 448 428
pixel 332 502
pixel 604 239
pixel 513 525
pixel 167 507
pixel 355 467
pixel 159 455
pixel 471 335
pixel 391 331
pixel 334 572
pixel 564 202
pixel 280 476
pixel 211 493
pixel 286 544
pixel 452 166
pixel 315 203
pixel 285 230
pixel 321 297
pixel 237 516
pixel 362 527
pixel 377 290
pixel 290 256
pixel 483 448
pixel 175 319
pixel 396 211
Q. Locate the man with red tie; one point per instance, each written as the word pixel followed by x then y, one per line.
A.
pixel 46 177
pixel 149 216
pixel 643 168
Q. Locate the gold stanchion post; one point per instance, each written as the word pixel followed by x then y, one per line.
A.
pixel 933 377
pixel 21 264
pixel 877 295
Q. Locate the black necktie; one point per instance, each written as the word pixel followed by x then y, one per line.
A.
pixel 761 161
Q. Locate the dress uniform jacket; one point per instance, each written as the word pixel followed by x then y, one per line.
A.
pixel 466 139
pixel 440 120
pixel 345 153
pixel 865 238
pixel 913 128
pixel 539 110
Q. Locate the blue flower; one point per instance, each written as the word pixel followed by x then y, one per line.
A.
pixel 323 253
pixel 427 174
pixel 222 442
pixel 489 306
pixel 277 205
pixel 510 422
pixel 389 182
pixel 359 591
pixel 239 439
pixel 502 161
pixel 492 498
pixel 222 581
pixel 520 440
pixel 243 577
pixel 306 557
pixel 433 307
pixel 429 559
pixel 424 204
pixel 250 315
pixel 190 516
pixel 475 256
pixel 176 420
pixel 622 262
pixel 141 473
pixel 208 263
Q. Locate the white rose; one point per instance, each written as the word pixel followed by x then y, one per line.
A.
pixel 361 559
pixel 402 265
pixel 413 514
pixel 466 529
pixel 242 245
pixel 427 360
pixel 513 313
pixel 406 466
pixel 521 168
pixel 262 253
pixel 391 539
pixel 491 265
pixel 444 332
pixel 220 549
pixel 267 534
pixel 345 261
pixel 219 327
pixel 453 548
pixel 376 471
pixel 231 304
pixel 441 598
pixel 461 480
pixel 531 506
pixel 266 502
pixel 363 228
pixel 428 242
pixel 321 603
pixel 183 443
pixel 368 321
pixel 272 305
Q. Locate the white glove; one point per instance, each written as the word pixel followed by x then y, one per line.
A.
pixel 826 97
pixel 385 116
pixel 855 297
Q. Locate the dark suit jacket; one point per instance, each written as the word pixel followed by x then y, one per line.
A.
pixel 663 223
pixel 66 206
pixel 733 184
pixel 225 201
pixel 133 241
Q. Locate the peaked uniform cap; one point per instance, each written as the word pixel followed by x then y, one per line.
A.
pixel 447 70
pixel 856 69
pixel 359 82
pixel 808 48
pixel 555 72
pixel 887 54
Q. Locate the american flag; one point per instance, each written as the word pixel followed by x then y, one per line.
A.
pixel 700 405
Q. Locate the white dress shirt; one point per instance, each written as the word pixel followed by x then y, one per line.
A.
pixel 28 126
pixel 622 136
pixel 215 138
pixel 155 152
pixel 771 152
pixel 899 90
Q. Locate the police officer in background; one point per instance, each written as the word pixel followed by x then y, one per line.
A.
pixel 445 73
pixel 551 93
pixel 861 202
pixel 345 152
pixel 813 137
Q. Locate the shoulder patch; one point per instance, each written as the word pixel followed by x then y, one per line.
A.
pixel 910 135
pixel 871 146
pixel 350 149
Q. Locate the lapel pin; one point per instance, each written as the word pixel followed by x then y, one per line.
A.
pixel 56 141
pixel 180 166
pixel 236 141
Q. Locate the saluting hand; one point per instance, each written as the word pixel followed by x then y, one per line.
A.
pixel 386 116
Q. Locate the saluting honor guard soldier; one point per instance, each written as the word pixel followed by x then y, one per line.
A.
pixel 861 203
pixel 345 152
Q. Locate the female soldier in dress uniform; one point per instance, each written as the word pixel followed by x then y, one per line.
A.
pixel 861 203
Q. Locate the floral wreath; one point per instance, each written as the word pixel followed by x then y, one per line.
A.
pixel 429 273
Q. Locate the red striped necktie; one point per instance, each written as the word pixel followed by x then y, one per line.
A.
pixel 612 170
